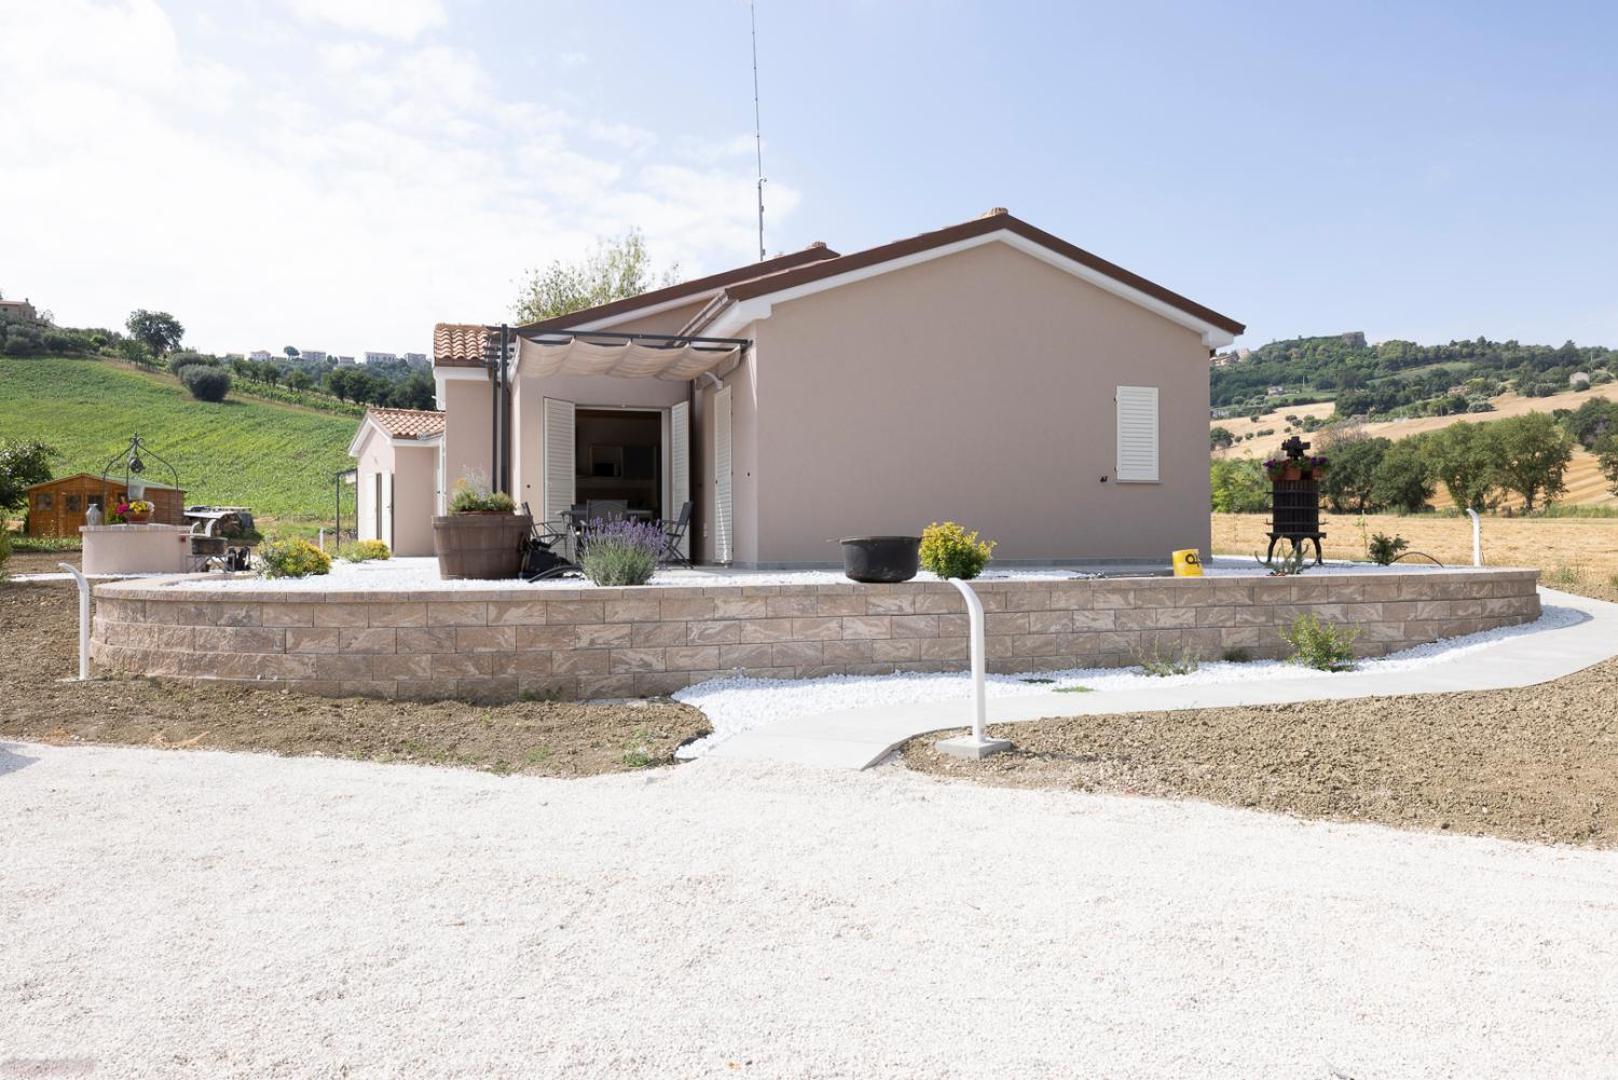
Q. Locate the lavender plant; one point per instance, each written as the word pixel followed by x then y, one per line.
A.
pixel 620 552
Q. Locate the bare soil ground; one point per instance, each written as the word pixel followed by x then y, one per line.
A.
pixel 40 562
pixel 1576 554
pixel 1538 763
pixel 38 646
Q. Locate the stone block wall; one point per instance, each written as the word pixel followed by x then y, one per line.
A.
pixel 501 644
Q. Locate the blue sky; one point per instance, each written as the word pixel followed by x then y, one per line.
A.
pixel 343 174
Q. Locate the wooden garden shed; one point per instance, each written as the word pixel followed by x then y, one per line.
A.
pixel 56 507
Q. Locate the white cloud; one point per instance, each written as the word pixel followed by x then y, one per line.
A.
pixel 401 20
pixel 349 207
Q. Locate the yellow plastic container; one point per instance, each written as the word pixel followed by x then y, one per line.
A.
pixel 1187 563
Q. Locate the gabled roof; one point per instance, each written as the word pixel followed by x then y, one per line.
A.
pixel 687 291
pixel 996 221
pixel 111 481
pixel 459 344
pixel 409 425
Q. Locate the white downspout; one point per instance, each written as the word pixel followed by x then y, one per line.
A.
pixel 978 744
pixel 84 619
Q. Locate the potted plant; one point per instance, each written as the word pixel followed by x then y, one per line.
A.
pixel 1317 466
pixel 131 512
pixel 480 537
pixel 1283 468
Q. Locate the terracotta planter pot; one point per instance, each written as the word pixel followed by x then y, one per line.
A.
pixel 486 546
pixel 1292 474
pixel 138 519
pixel 1316 474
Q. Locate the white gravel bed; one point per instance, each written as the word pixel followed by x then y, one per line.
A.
pixel 406 573
pixel 737 704
pixel 174 913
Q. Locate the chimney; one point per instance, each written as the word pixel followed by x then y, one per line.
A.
pixel 994 211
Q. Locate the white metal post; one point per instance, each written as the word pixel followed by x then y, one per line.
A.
pixel 1477 537
pixel 84 619
pixel 978 744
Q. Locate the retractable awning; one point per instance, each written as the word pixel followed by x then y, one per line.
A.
pixel 625 356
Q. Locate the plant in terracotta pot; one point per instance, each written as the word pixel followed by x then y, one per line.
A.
pixel 480 537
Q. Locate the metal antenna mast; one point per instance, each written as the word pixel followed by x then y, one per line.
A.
pixel 758 132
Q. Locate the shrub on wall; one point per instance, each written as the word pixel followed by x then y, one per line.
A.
pixel 621 552
pixel 292 557
pixel 206 383
pixel 1321 645
pixel 367 551
pixel 949 551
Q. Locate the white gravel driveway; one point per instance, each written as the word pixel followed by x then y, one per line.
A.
pixel 202 914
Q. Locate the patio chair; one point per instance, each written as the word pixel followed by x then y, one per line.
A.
pixel 673 535
pixel 540 559
pixel 606 509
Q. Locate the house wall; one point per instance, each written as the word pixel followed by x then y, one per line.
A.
pixel 977 387
pixel 468 429
pixel 415 496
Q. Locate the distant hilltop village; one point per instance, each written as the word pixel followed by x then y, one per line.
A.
pixel 319 356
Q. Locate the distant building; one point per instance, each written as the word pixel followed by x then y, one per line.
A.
pixel 1579 378
pixel 261 355
pixel 417 359
pixel 18 309
pixel 345 361
pixel 380 357
pixel 1274 391
pixel 314 356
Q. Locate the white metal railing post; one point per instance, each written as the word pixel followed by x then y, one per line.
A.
pixel 974 617
pixel 1477 537
pixel 978 744
pixel 84 619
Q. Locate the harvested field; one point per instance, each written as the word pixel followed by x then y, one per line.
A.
pixel 38 643
pixel 1539 763
pixel 1577 554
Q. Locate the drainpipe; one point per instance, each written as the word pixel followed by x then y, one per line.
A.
pixel 505 412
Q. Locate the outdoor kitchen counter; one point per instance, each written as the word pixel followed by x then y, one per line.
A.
pixel 504 642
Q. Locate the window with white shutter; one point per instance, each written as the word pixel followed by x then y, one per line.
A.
pixel 1137 435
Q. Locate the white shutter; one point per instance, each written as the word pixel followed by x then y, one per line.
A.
pixel 365 506
pixel 1137 435
pixel 679 467
pixel 559 450
pixel 722 508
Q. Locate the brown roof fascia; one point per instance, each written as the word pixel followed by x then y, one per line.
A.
pixel 966 231
pixel 694 287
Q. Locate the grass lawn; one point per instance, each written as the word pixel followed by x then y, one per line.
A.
pixel 278 459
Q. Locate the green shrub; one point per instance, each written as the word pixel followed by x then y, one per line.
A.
pixel 292 557
pixel 367 550
pixel 1235 654
pixel 1321 645
pixel 1384 549
pixel 472 495
pixel 950 551
pixel 5 551
pixel 1163 664
pixel 621 552
pixel 178 362
pixel 206 383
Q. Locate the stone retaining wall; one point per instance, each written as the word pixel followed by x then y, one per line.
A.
pixel 620 642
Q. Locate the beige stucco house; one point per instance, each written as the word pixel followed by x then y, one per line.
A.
pixel 397 456
pixel 988 373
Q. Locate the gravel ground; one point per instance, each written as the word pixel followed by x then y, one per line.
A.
pixel 422 573
pixel 39 645
pixel 1536 763
pixel 224 915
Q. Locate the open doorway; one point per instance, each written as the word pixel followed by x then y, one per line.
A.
pixel 618 463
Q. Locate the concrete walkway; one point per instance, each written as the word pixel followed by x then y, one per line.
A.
pixel 860 737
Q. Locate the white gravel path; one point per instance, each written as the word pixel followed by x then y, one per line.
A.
pixel 422 573
pixel 738 703
pixel 202 914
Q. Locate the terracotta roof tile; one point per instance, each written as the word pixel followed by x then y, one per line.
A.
pixel 408 423
pixel 459 344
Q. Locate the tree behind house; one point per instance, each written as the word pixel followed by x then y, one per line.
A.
pixel 616 269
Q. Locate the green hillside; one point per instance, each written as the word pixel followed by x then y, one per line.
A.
pixel 278 459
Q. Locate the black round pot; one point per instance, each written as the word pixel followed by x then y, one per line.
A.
pixel 879 560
